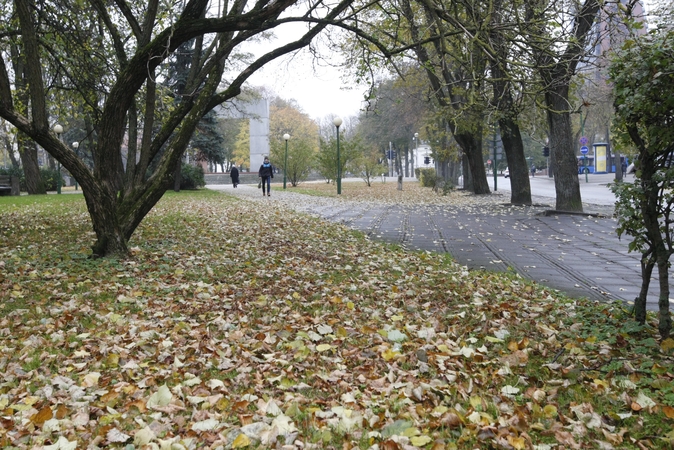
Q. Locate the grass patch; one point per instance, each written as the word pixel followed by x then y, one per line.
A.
pixel 332 339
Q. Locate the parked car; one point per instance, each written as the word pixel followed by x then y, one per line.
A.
pixel 506 173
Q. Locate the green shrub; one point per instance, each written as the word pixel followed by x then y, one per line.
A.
pixel 426 176
pixel 191 177
pixel 49 177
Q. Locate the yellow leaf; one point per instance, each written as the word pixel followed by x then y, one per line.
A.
pixel 341 332
pixel 389 354
pixel 667 344
pixel 420 441
pixel 476 401
pixel 350 305
pixel 550 411
pixel 323 347
pixel 241 441
pixel 443 348
pixel 591 339
pixel 296 295
pixel 396 318
pixel 601 383
pixel 512 346
pixel 411 431
pixel 518 443
pixel 113 360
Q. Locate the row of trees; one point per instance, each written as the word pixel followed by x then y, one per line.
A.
pixel 525 68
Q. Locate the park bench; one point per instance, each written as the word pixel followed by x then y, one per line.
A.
pixel 9 185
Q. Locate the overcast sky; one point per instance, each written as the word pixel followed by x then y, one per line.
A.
pixel 318 89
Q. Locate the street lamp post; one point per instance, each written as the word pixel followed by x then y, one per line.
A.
pixel 58 129
pixel 285 161
pixel 76 145
pixel 416 151
pixel 338 122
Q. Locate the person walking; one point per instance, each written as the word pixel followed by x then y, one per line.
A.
pixel 234 173
pixel 266 173
pixel 533 170
pixel 623 166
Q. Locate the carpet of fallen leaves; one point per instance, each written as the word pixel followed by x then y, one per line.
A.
pixel 244 325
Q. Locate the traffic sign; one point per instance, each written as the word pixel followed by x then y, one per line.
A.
pixel 584 150
pixel 583 141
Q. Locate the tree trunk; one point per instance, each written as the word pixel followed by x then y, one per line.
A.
pixel 467 175
pixel 110 238
pixel 647 265
pixel 520 188
pixel 177 175
pixel 567 187
pixel 660 255
pixel 472 150
pixel 10 151
pixel 664 316
pixel 31 168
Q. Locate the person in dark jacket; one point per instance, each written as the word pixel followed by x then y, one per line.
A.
pixel 234 173
pixel 266 173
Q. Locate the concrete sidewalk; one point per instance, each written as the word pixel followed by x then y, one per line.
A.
pixel 580 255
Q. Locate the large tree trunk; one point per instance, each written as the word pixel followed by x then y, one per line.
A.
pixel 31 168
pixel 110 238
pixel 520 188
pixel 472 150
pixel 562 151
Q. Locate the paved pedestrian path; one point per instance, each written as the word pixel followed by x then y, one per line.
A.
pixel 580 255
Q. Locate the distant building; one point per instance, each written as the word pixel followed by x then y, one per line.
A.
pixel 257 111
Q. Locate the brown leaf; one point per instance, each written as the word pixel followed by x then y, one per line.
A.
pixel 110 396
pixel 42 416
pixel 389 445
pixel 140 404
pixel 61 412
pixel 669 411
pixel 246 419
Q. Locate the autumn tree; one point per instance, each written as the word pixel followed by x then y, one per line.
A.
pixel 399 109
pixel 117 55
pixel 369 164
pixel 285 117
pixel 558 41
pixel 241 153
pixel 326 159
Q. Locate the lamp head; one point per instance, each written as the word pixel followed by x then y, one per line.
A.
pixel 286 136
pixel 58 129
pixel 416 135
pixel 337 121
pixel 75 145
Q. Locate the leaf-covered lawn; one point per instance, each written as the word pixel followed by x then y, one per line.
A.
pixel 243 325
